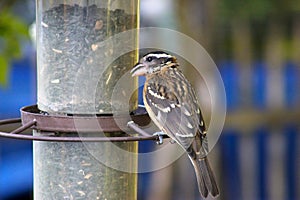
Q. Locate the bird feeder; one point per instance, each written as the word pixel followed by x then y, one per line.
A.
pixel 75 77
pixel 76 123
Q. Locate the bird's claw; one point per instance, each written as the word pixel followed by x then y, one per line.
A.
pixel 160 137
pixel 136 128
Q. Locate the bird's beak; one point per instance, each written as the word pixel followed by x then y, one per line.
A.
pixel 138 70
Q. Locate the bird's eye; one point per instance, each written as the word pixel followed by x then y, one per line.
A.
pixel 149 59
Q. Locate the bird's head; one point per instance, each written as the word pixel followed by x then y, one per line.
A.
pixel 152 63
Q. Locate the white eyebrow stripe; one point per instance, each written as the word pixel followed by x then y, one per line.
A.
pixel 162 55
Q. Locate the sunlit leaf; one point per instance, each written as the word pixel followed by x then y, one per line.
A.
pixel 3 70
pixel 12 32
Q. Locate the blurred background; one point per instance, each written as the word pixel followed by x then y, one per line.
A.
pixel 256 46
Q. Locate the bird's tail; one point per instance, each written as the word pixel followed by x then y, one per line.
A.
pixel 205 177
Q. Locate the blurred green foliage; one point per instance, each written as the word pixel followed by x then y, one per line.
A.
pixel 245 10
pixel 12 32
pixel 262 19
pixel 258 10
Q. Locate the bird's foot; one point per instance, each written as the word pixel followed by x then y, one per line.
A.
pixel 160 135
pixel 137 129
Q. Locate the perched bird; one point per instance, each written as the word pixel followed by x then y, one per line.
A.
pixel 172 105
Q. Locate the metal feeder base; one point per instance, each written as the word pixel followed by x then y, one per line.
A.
pixel 32 117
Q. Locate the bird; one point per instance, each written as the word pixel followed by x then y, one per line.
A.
pixel 172 105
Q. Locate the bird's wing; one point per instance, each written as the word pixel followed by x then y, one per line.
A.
pixel 179 118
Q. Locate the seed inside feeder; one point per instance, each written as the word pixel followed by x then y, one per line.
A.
pixel 70 57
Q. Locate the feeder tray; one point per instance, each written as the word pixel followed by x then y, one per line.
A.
pixel 33 118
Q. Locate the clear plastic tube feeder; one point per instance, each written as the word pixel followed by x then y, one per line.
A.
pixel 79 63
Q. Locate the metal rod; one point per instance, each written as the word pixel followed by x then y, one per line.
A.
pixel 10 121
pixel 76 139
pixel 136 128
pixel 24 127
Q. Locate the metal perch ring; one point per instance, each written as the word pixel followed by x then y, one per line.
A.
pixel 32 118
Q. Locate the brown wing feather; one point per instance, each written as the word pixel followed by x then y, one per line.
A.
pixel 174 106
